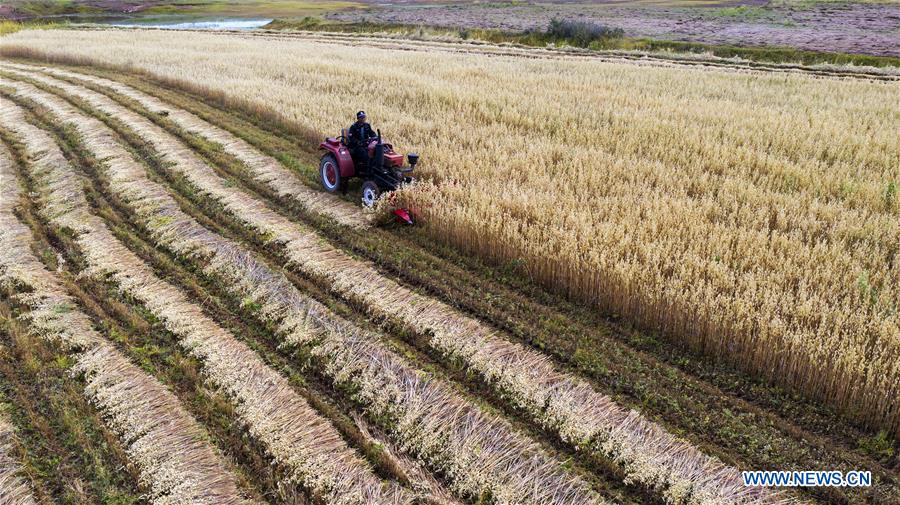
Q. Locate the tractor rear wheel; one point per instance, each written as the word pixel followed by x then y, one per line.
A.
pixel 370 194
pixel 330 174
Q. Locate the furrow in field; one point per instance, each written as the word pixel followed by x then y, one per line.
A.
pixel 14 488
pixel 177 463
pixel 558 401
pixel 480 454
pixel 263 168
pixel 291 430
pixel 413 469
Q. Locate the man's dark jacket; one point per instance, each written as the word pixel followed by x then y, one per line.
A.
pixel 359 132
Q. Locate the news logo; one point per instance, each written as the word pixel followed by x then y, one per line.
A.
pixel 808 478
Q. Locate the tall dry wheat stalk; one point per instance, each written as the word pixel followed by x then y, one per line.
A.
pixel 751 216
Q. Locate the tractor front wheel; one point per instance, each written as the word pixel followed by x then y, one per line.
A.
pixel 330 174
pixel 370 194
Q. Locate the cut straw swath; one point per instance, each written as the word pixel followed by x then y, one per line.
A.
pixel 177 462
pixel 293 433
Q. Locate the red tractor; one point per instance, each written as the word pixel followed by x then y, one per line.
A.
pixel 384 173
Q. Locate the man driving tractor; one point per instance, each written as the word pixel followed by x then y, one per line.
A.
pixel 360 132
pixel 348 156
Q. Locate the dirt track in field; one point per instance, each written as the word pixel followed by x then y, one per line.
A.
pixel 398 327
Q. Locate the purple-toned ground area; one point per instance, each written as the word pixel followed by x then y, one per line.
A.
pixel 848 27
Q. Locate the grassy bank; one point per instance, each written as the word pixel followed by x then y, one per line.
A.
pixel 8 27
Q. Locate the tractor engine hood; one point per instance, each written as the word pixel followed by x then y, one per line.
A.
pixel 393 159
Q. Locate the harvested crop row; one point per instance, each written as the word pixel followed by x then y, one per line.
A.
pixel 562 403
pixel 266 170
pixel 176 460
pixel 294 434
pixel 14 488
pixel 479 453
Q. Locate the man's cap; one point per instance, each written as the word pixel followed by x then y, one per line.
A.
pixel 361 114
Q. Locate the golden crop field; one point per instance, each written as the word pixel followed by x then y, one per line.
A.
pixel 753 216
pixel 161 240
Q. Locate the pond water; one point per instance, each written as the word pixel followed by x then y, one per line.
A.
pixel 200 24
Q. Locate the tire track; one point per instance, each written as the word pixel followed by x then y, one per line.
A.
pixel 176 461
pixel 559 402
